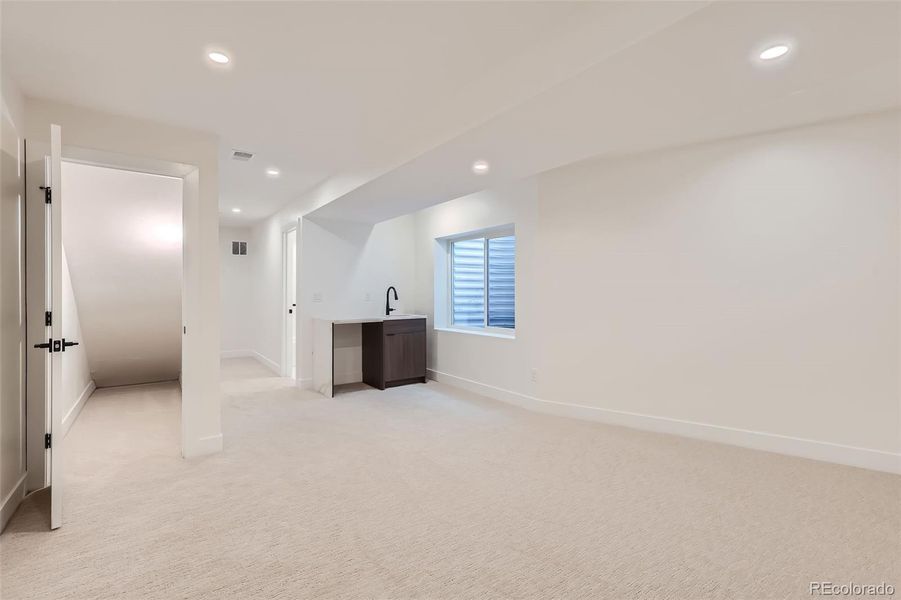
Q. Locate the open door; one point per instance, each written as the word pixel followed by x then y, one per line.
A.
pixel 56 328
pixel 55 345
pixel 290 369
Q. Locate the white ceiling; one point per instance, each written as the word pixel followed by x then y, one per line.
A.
pixel 312 87
pixel 699 79
pixel 123 240
pixel 400 98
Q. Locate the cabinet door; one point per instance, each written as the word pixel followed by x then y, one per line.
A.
pixel 404 355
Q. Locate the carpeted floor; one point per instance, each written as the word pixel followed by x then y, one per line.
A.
pixel 429 492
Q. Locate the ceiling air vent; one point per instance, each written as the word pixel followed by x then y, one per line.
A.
pixel 241 155
pixel 239 248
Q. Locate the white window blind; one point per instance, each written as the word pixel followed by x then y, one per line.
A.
pixel 483 282
pixel 501 292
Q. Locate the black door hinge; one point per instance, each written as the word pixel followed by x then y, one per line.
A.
pixel 48 194
pixel 48 440
pixel 48 318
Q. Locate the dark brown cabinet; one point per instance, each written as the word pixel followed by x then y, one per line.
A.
pixel 394 352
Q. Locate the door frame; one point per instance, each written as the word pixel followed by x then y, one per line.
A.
pixel 285 367
pixel 37 410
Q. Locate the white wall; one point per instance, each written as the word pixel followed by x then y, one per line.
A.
pixel 500 362
pixel 78 385
pixel 745 291
pixel 12 314
pixel 150 143
pixel 345 270
pixel 235 292
pixel 123 236
pixel 265 250
pixel 343 261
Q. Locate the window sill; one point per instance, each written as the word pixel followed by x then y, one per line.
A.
pixel 482 332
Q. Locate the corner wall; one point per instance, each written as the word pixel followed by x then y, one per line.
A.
pixel 345 270
pixel 744 291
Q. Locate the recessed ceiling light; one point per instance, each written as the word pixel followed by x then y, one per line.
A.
pixel 272 172
pixel 774 52
pixel 218 57
pixel 236 210
pixel 480 166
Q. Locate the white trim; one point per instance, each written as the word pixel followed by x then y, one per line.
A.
pixel 72 415
pixel 274 366
pixel 209 444
pixel 447 285
pixel 236 354
pixel 305 383
pixel 494 231
pixel 266 362
pixel 494 332
pixel 135 164
pixel 12 501
pixel 866 458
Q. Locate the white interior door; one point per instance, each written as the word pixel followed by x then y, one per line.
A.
pixel 56 342
pixel 291 303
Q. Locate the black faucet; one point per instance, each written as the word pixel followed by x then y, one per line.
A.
pixel 388 308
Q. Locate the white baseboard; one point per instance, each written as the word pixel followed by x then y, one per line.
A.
pixel 72 415
pixel 202 446
pixel 274 366
pixel 866 458
pixel 305 384
pixel 12 500
pixel 266 362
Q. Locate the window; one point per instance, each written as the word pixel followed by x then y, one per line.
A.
pixel 482 281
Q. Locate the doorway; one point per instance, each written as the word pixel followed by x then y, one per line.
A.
pixel 114 320
pixel 290 306
pixel 122 274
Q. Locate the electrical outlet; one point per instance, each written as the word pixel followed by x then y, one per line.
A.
pixel 317 296
pixel 535 375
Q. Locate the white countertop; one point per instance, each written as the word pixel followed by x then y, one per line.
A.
pixel 350 321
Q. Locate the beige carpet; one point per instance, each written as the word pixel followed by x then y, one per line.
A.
pixel 429 492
